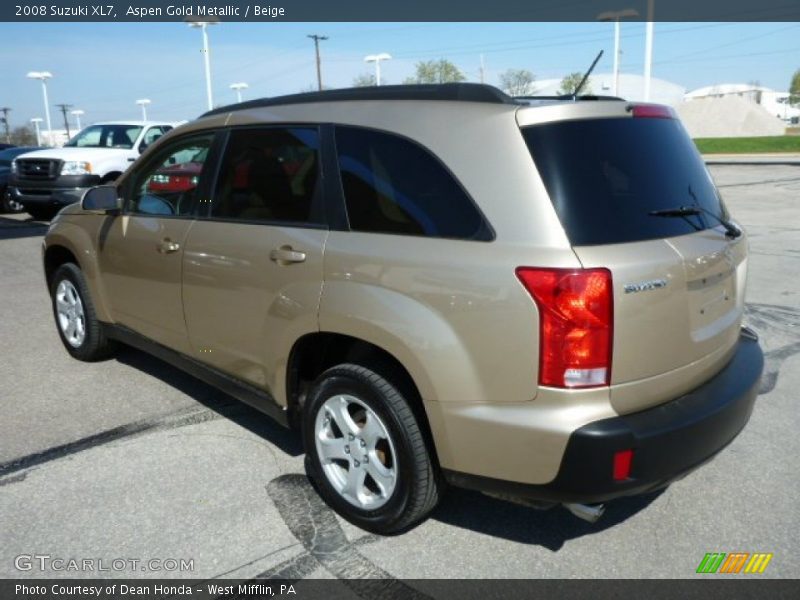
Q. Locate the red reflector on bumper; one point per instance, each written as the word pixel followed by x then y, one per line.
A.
pixel 622 464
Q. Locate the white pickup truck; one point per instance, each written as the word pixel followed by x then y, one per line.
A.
pixel 46 180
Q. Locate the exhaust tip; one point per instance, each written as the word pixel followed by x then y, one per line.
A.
pixel 588 512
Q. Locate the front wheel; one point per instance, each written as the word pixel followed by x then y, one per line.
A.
pixel 80 331
pixel 9 205
pixel 365 450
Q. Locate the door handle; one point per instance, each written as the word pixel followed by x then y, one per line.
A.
pixel 167 246
pixel 286 255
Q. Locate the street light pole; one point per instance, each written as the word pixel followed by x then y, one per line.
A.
pixel 317 39
pixel 377 58
pixel 43 76
pixel 616 16
pixel 648 49
pixel 203 26
pixel 77 114
pixel 36 122
pixel 238 87
pixel 143 103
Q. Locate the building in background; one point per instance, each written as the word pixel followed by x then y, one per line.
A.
pixel 776 103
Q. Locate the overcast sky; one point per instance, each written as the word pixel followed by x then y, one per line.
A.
pixel 103 68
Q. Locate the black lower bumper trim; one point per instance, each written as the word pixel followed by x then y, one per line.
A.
pixel 669 440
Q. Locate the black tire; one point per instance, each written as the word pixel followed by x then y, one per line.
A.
pixel 41 213
pixel 95 345
pixel 418 483
pixel 7 205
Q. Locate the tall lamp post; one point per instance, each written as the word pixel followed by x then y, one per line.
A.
pixel 648 48
pixel 377 58
pixel 77 114
pixel 36 121
pixel 238 87
pixel 615 16
pixel 143 103
pixel 203 26
pixel 43 76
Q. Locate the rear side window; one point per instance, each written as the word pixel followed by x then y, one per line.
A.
pixel 605 176
pixel 392 185
pixel 269 175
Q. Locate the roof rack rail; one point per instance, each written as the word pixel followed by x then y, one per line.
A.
pixel 461 92
pixel 569 97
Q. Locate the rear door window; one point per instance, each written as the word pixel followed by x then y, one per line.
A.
pixel 270 175
pixel 604 177
pixel 393 185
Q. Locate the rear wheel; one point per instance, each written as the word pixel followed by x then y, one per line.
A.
pixel 80 331
pixel 365 450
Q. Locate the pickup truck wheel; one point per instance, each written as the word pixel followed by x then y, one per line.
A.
pixel 9 205
pixel 365 450
pixel 80 331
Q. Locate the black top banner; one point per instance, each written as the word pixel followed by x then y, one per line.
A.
pixel 396 10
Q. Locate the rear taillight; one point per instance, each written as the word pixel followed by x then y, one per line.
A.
pixel 652 111
pixel 576 311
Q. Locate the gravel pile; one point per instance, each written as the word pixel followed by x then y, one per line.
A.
pixel 729 116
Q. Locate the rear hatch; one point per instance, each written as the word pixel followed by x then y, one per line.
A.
pixel 678 278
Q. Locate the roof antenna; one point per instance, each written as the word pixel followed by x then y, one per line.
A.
pixel 585 77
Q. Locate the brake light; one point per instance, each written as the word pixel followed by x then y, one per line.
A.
pixel 576 317
pixel 652 111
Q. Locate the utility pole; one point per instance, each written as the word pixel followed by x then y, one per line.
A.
pixel 5 110
pixel 483 71
pixel 317 39
pixel 64 108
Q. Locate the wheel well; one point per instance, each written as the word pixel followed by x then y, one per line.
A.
pixel 109 177
pixel 54 257
pixel 314 353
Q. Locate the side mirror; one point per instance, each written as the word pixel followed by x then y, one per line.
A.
pixel 142 147
pixel 103 198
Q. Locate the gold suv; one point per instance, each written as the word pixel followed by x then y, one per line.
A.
pixel 435 284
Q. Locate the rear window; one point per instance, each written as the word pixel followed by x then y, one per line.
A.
pixel 605 176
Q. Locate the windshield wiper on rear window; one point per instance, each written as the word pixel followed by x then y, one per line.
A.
pixel 731 230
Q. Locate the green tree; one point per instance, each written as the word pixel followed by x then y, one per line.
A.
pixel 572 81
pixel 794 88
pixel 365 80
pixel 517 82
pixel 23 136
pixel 436 71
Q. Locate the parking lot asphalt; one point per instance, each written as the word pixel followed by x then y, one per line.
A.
pixel 132 459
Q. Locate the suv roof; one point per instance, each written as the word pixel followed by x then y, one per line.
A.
pixel 450 92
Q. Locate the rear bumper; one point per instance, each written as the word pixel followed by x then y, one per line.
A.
pixel 669 440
